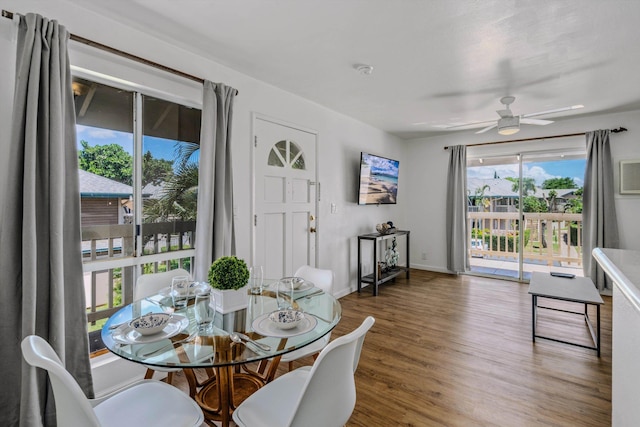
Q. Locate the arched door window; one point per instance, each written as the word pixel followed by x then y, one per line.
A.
pixel 286 154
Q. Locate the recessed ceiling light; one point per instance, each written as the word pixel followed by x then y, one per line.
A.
pixel 364 69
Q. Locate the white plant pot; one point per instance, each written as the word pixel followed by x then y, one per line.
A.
pixel 230 300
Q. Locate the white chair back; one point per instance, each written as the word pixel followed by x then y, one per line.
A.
pixel 140 404
pixel 149 284
pixel 72 406
pixel 329 396
pixel 323 279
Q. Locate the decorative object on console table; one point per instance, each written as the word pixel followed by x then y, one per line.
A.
pixel 228 276
pixel 385 228
pixel 381 267
pixel 392 256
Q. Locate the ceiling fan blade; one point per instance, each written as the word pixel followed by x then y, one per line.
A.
pixel 469 125
pixel 535 122
pixel 488 128
pixel 557 110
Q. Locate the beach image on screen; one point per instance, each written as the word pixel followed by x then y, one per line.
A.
pixel 378 180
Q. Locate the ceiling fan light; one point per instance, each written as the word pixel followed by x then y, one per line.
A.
pixel 508 125
pixel 509 130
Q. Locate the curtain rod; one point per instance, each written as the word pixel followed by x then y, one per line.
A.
pixel 618 130
pixel 79 39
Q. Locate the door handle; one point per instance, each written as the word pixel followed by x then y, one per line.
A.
pixel 312 230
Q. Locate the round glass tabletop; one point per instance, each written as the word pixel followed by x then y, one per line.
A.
pixel 189 347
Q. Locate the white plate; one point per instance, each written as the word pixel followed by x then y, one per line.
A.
pixel 304 286
pixel 125 334
pixel 267 328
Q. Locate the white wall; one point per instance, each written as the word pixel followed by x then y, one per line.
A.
pixel 340 138
pixel 423 162
pixel 426 177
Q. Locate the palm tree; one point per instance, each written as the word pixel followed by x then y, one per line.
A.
pixel 478 195
pixel 179 196
pixel 528 185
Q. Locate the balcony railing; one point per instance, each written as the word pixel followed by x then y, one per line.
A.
pixel 550 238
pixel 110 261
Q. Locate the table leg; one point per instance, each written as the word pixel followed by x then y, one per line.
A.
pixel 225 387
pixel 598 327
pixel 375 268
pixel 534 303
pixel 220 397
pixel 359 266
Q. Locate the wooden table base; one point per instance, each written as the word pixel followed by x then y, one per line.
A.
pixel 222 395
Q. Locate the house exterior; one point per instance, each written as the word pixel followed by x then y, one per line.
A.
pixel 498 195
pixel 103 201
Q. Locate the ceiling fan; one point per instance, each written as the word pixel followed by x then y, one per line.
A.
pixel 508 124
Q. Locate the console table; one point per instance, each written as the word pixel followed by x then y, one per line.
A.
pixel 376 278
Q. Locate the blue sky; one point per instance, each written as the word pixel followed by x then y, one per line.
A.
pixel 539 171
pixel 160 148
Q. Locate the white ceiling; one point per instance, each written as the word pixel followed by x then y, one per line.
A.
pixel 435 61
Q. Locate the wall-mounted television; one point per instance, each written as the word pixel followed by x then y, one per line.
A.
pixel 378 180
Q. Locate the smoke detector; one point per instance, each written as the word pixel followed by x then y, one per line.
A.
pixel 363 69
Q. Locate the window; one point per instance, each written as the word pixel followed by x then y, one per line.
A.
pixel 286 153
pixel 139 189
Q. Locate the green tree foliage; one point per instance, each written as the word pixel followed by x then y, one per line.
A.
pixel 178 200
pixel 533 204
pixel 528 185
pixel 109 161
pixel 554 183
pixel 155 171
pixel 573 206
pixel 478 198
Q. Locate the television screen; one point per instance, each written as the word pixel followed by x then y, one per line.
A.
pixel 378 180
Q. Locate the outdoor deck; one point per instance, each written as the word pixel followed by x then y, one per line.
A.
pixel 552 242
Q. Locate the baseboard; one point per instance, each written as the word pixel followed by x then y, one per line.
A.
pixel 431 268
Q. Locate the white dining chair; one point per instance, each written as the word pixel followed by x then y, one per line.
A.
pixel 323 279
pixel 145 403
pixel 322 395
pixel 150 284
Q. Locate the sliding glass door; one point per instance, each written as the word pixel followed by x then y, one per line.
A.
pixel 551 197
pixel 525 213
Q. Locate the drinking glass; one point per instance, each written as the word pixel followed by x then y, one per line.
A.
pixel 256 278
pixel 205 310
pixel 284 294
pixel 180 291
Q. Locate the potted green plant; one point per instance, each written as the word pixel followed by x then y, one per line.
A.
pixel 228 275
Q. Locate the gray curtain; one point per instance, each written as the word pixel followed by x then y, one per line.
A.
pixel 42 290
pixel 600 225
pixel 215 234
pixel 457 260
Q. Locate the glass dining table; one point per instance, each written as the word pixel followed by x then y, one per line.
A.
pixel 234 369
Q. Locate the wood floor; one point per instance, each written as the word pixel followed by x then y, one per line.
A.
pixel 457 351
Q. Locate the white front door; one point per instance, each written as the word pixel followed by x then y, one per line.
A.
pixel 285 191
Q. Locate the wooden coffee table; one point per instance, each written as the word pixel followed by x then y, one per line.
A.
pixel 578 289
